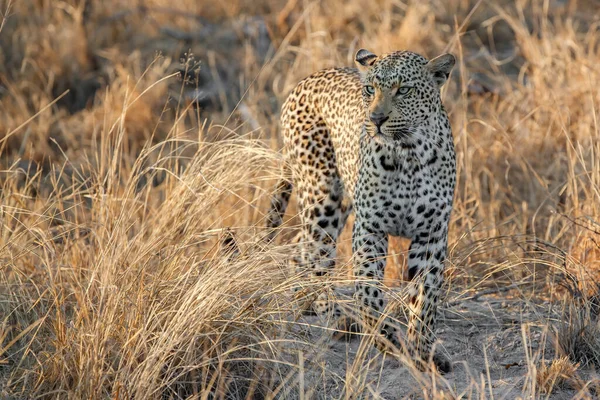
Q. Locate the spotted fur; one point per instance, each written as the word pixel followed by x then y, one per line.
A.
pixel 375 139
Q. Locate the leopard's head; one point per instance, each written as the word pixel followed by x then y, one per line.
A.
pixel 401 91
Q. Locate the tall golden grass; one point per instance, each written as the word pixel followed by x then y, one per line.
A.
pixel 116 189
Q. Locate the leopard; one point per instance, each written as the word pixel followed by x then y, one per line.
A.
pixel 374 140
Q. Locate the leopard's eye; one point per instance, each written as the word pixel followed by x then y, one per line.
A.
pixel 404 90
pixel 370 90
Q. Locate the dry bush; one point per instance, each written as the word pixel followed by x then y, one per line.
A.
pixel 123 296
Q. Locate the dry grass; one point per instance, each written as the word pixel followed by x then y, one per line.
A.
pixel 556 374
pixel 115 187
pixel 578 333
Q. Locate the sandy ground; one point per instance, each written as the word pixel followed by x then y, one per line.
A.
pixel 491 341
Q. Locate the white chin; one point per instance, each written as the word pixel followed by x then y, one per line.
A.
pixel 383 138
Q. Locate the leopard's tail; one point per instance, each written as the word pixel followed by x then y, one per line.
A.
pixel 279 202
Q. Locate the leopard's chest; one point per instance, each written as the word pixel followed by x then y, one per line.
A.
pixel 393 187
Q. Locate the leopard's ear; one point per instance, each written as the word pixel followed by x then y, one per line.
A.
pixel 440 67
pixel 364 59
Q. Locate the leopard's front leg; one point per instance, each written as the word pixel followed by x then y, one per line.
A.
pixel 369 246
pixel 426 271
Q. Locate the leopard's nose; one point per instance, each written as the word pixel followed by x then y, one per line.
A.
pixel 378 119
